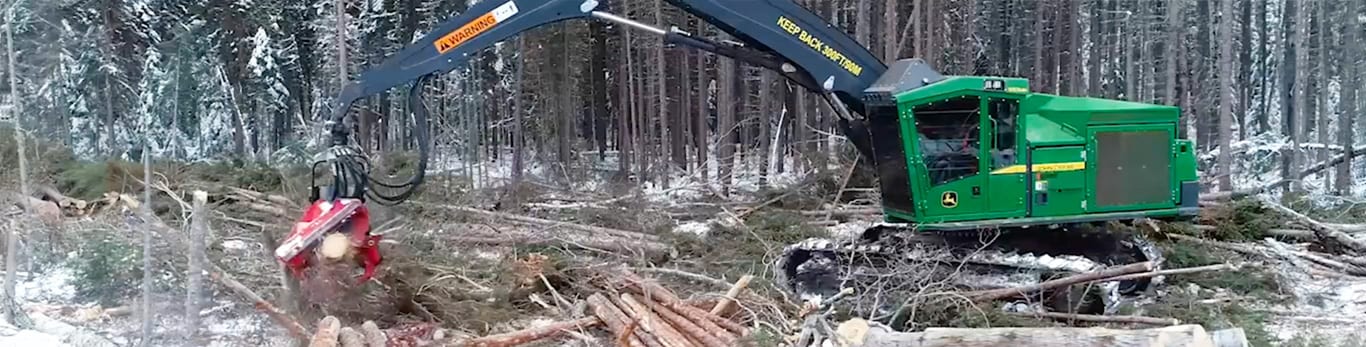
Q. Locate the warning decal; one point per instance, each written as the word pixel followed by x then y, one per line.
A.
pixel 475 27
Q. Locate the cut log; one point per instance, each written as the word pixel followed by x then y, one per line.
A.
pixel 326 335
pixel 692 330
pixel 662 295
pixel 1331 237
pixel 373 336
pixel 722 307
pixel 858 333
pixel 351 338
pixel 1097 318
pixel 653 323
pixel 543 222
pixel 525 336
pixel 996 294
pixel 616 321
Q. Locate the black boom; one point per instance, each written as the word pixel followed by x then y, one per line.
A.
pixel 776 34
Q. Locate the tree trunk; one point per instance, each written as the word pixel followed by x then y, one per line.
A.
pixel 518 138
pixel 1325 74
pixel 198 230
pixel 1301 97
pixel 1264 57
pixel 1351 85
pixel 11 309
pixel 1245 69
pixel 147 315
pixel 1093 74
pixel 889 26
pixel 700 131
pixel 726 103
pixel 1175 26
pixel 1226 94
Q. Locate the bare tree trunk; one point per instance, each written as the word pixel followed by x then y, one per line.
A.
pixel 862 24
pixel 1264 57
pixel 1174 27
pixel 889 26
pixel 518 139
pixel 11 308
pixel 147 316
pixel 666 127
pixel 198 230
pixel 1226 94
pixel 726 104
pixel 1245 70
pixel 700 127
pixel 1301 96
pixel 342 61
pixel 1289 86
pixel 1093 75
pixel 1325 75
pixel 1351 85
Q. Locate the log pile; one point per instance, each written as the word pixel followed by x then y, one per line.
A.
pixel 631 310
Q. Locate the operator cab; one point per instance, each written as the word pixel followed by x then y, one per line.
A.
pixel 956 152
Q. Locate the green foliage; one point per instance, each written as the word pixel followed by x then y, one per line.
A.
pixel 1243 220
pixel 742 250
pixel 1250 282
pixel 1215 316
pixel 107 269
pixel 90 180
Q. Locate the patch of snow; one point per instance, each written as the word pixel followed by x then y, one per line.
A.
pixel 849 229
pixel 1323 307
pixel 11 336
pixel 52 286
pixel 236 245
pixel 694 227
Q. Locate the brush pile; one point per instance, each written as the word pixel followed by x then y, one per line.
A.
pixel 631 310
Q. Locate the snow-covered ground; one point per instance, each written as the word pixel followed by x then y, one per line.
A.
pixel 1325 308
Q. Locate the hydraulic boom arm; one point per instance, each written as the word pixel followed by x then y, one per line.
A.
pixel 776 34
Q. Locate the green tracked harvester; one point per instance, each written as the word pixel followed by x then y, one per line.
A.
pixel 1048 180
pixel 966 159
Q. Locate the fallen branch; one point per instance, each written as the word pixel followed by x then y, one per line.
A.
pixel 684 274
pixel 996 294
pixel 1313 169
pixel 1169 272
pixel 1219 244
pixel 280 317
pixel 1349 269
pixel 1328 235
pixel 544 222
pixel 1098 318
pixel 534 334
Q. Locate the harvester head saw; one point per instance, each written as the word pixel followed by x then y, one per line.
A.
pixel 337 209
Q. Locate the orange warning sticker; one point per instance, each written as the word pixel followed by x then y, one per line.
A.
pixel 475 27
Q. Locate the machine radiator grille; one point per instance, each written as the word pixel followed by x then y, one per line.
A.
pixel 1132 168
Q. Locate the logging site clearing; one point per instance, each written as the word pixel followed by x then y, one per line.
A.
pixel 546 263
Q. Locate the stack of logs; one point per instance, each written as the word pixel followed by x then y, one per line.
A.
pixel 635 311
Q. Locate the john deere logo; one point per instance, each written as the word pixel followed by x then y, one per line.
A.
pixel 949 199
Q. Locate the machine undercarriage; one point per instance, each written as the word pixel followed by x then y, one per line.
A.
pixel 896 261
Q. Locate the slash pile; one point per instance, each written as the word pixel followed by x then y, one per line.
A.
pixel 634 311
